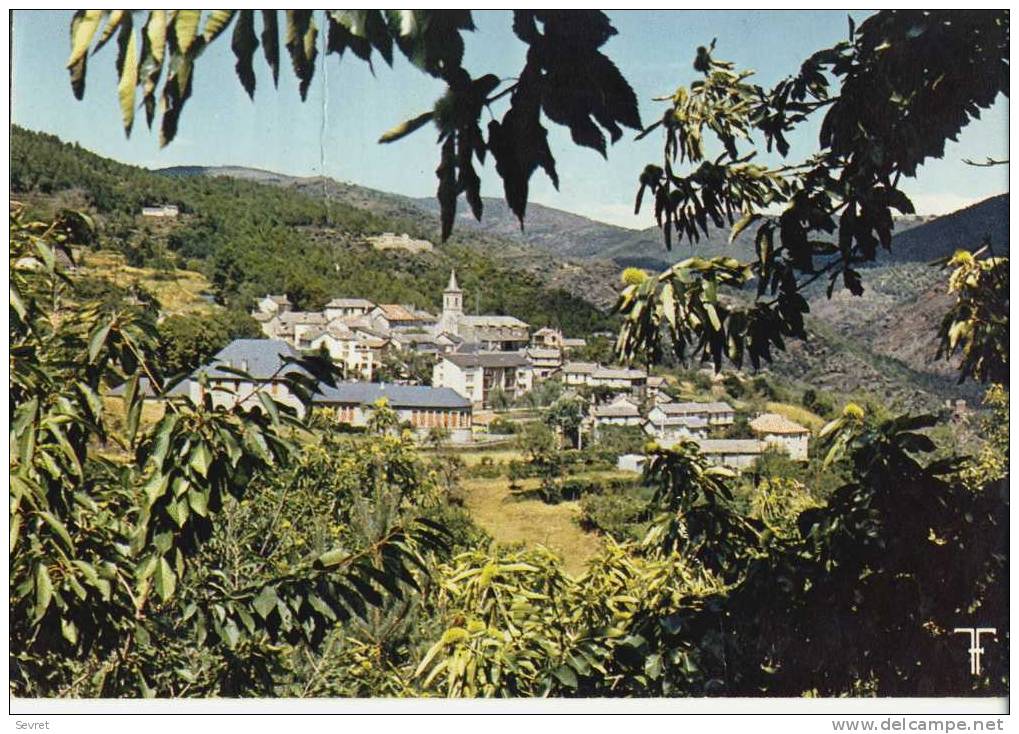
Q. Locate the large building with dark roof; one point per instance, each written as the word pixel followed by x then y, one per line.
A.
pixel 419 406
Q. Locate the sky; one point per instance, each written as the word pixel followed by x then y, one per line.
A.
pixel 334 132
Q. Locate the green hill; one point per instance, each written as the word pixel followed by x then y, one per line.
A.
pixel 250 237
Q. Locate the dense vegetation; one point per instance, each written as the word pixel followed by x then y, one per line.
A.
pixel 252 238
pixel 227 552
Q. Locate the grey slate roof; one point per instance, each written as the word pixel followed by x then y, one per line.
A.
pixel 730 446
pixel 694 408
pixel 350 303
pixel 487 359
pixel 399 396
pixel 260 358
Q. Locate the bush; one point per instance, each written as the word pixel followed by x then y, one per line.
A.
pixel 620 514
pixel 502 426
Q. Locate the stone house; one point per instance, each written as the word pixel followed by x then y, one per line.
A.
pixel 780 432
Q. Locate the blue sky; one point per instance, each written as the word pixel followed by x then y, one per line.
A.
pixel 333 133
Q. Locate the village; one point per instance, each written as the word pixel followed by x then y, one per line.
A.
pixel 482 364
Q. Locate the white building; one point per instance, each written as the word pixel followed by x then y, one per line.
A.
pixel 735 453
pixel 262 361
pixel 620 412
pixel 595 375
pixel 349 349
pixel 166 210
pixel 272 305
pixel 669 427
pixel 476 375
pixel 547 338
pixel 340 308
pixel 390 317
pixel 544 362
pixel 716 414
pixel 780 432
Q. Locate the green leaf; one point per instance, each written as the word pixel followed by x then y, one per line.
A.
pixel 265 602
pixel 244 44
pixel 164 579
pixel 199 501
pixel 301 34
pixel 216 23
pixel 83 27
pixel 98 339
pixel 15 530
pixel 713 316
pixel 200 459
pixel 178 512
pixel 271 43
pixel 58 528
pixel 43 590
pixel 127 71
pixel 406 128
pixel 744 222
pixel 185 28
pixel 331 558
pixel 566 676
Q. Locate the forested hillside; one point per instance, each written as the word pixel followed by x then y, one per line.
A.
pixel 250 238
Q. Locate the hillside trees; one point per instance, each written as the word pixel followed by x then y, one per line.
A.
pixel 124 544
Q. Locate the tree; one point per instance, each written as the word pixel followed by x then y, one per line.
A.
pixel 873 90
pixel 188 341
pixel 567 415
pixel 119 558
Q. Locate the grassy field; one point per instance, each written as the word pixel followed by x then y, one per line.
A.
pixel 178 291
pixel 510 519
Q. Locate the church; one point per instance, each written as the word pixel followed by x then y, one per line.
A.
pixel 490 333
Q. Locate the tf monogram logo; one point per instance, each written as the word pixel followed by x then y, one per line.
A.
pixel 975 650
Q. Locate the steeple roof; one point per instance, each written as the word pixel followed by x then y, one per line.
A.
pixel 452 282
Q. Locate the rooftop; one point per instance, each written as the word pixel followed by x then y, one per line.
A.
pixel 775 423
pixel 399 396
pixel 582 368
pixel 262 359
pixel 490 320
pixel 621 409
pixel 729 446
pixel 350 303
pixel 618 373
pixel 397 312
pixel 487 359
pixel 180 390
pixel 694 408
pixel 316 318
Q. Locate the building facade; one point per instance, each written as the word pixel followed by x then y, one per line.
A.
pixel 420 407
pixel 476 375
pixel 779 432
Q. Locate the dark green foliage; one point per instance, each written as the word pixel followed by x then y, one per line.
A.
pixel 252 238
pixel 622 514
pixel 188 341
pixel 616 440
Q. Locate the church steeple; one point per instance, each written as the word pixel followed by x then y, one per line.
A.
pixel 452 306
